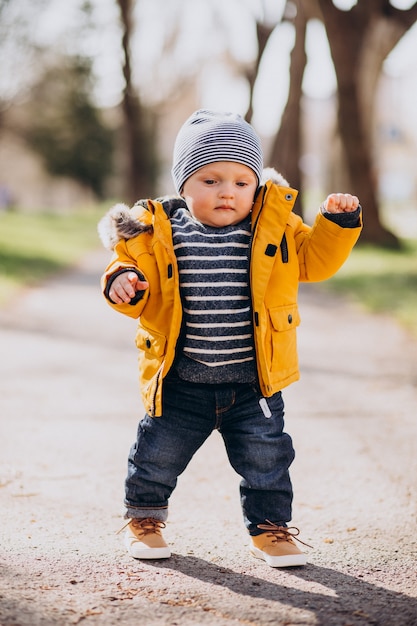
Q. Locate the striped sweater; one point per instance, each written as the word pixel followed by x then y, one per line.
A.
pixel 217 344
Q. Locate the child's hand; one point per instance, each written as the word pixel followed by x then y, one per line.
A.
pixel 125 286
pixel 340 203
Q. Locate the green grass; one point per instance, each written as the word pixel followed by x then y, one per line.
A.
pixel 382 280
pixel 36 246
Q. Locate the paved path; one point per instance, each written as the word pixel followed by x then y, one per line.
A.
pixel 69 407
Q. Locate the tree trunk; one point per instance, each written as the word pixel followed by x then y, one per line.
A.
pixel 263 33
pixel 287 145
pixel 358 52
pixel 138 130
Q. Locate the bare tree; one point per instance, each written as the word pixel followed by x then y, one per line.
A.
pixel 360 40
pixel 139 135
pixel 263 33
pixel 287 146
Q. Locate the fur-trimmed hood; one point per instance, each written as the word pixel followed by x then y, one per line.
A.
pixel 121 222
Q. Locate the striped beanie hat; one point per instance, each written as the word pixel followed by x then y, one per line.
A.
pixel 210 136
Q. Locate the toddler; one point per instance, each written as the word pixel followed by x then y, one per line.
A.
pixel 212 277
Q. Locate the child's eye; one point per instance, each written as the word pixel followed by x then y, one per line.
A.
pixel 241 184
pixel 209 181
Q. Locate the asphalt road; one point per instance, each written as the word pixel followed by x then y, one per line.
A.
pixel 69 407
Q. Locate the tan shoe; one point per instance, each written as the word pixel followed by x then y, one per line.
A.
pixel 143 539
pixel 276 546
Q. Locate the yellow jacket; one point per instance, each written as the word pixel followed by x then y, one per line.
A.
pixel 284 251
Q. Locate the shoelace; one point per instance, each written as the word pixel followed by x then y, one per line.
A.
pixel 146 525
pixel 281 533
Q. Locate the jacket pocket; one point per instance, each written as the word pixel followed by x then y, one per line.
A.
pixel 152 351
pixel 150 342
pixel 284 317
pixel 283 341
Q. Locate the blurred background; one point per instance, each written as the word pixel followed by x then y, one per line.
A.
pixel 93 92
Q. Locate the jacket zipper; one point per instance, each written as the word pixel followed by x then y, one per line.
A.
pixel 255 313
pixel 157 383
pixel 284 249
pixel 284 257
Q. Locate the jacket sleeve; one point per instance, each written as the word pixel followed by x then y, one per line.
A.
pixel 346 220
pixel 324 247
pixel 122 261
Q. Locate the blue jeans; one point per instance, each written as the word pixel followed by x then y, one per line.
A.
pixel 257 448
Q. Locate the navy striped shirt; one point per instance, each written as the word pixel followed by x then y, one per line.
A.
pixel 213 268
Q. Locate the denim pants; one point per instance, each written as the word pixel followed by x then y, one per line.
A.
pixel 257 448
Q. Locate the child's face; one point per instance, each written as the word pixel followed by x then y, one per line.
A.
pixel 221 194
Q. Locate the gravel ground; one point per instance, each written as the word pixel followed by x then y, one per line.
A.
pixel 69 407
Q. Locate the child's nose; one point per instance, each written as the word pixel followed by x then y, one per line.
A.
pixel 226 190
